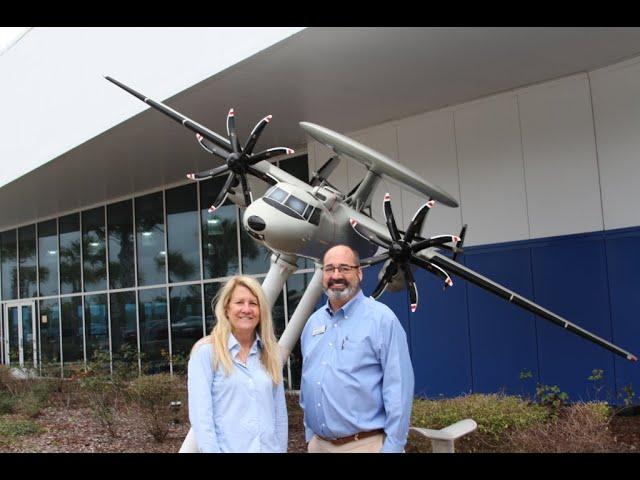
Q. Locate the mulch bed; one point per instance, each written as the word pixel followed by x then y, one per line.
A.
pixel 74 429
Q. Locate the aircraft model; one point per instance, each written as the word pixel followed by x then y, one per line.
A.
pixel 298 219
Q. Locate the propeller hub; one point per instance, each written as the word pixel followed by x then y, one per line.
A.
pixel 235 163
pixel 399 251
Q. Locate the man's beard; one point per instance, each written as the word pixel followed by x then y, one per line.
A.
pixel 339 295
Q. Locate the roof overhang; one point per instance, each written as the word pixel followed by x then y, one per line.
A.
pixel 343 78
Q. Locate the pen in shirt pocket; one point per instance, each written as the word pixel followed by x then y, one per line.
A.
pixel 345 339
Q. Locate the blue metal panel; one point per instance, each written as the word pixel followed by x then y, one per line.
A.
pixel 440 338
pixel 503 336
pixel 570 278
pixel 623 260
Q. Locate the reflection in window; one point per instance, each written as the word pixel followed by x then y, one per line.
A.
pixel 50 338
pixel 150 239
pixel 210 292
pixel 296 286
pixel 93 250
pixel 72 335
pixel 12 322
pixel 186 323
pixel 95 324
pixel 27 261
pixel 48 258
pixel 154 341
pixel 120 231
pixel 8 250
pixel 124 333
pixel 182 233
pixel 28 336
pixel 219 232
pixel 255 256
pixel 70 254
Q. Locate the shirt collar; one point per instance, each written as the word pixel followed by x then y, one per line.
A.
pixel 348 307
pixel 233 344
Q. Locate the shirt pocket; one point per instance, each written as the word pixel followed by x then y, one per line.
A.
pixel 355 352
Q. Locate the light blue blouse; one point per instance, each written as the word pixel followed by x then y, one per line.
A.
pixel 242 412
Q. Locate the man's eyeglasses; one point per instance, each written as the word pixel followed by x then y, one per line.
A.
pixel 342 268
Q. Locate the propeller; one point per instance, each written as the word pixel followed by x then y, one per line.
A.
pixel 239 160
pixel 401 250
pixel 324 171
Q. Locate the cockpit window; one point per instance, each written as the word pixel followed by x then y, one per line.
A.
pixel 296 204
pixel 315 216
pixel 277 194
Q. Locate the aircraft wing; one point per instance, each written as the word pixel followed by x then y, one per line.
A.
pixel 469 275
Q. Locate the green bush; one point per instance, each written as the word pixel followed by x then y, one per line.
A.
pixel 152 395
pixel 101 394
pixel 10 427
pixel 495 414
pixel 7 403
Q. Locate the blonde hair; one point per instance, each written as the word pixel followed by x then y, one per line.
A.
pixel 219 337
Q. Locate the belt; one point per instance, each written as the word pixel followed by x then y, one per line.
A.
pixel 351 438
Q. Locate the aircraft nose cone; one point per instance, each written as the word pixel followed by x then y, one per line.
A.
pixel 256 223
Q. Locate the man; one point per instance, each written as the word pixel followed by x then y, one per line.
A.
pixel 357 378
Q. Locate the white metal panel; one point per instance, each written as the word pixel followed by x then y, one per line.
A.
pixel 616 105
pixel 491 171
pixel 384 139
pixel 426 145
pixel 561 171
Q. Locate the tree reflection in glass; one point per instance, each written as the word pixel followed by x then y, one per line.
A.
pixel 70 253
pixel 94 250
pixel 150 239
pixel 154 332
pixel 27 261
pixel 182 233
pixel 8 260
pixel 120 232
pixel 48 257
pixel 186 323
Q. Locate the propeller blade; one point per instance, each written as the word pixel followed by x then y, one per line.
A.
pixel 255 134
pixel 367 262
pixel 324 171
pixel 222 195
pixel 262 176
pixel 367 234
pixel 411 287
pixel 389 271
pixel 437 241
pixel 269 153
pixel 388 215
pixel 497 289
pixel 211 147
pixel 248 199
pixel 176 116
pixel 436 270
pixel 231 131
pixel 463 232
pixel 418 219
pixel 207 173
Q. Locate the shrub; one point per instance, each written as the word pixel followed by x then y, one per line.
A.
pixel 101 394
pixel 10 427
pixel 7 403
pixel 579 428
pixel 152 395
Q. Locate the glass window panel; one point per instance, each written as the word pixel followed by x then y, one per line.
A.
pixel 186 323
pixel 150 239
pixel 255 256
pixel 219 232
pixel 72 335
pixel 296 166
pixel 8 258
pixel 124 332
pixel 94 250
pixel 14 348
pixel 154 341
pixel 296 286
pixel 182 233
pixel 70 254
pixel 277 194
pixel 95 323
pixel 27 261
pixel 210 291
pixel 50 337
pixel 28 336
pixel 121 258
pixel 296 204
pixel 48 258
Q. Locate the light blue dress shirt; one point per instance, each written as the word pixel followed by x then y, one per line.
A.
pixel 356 373
pixel 242 412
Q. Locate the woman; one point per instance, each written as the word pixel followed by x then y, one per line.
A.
pixel 236 394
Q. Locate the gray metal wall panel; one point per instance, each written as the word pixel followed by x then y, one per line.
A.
pixel 561 171
pixel 616 105
pixel 426 145
pixel 491 171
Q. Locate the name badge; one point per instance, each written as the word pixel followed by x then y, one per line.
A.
pixel 318 330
